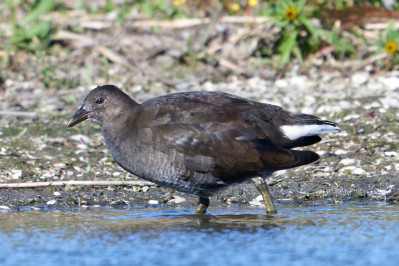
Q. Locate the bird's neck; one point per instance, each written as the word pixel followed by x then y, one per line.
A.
pixel 120 136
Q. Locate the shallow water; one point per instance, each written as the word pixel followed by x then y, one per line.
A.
pixel 347 234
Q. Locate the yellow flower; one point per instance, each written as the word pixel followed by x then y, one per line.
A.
pixel 235 6
pixel 290 13
pixel 252 2
pixel 391 47
pixel 179 2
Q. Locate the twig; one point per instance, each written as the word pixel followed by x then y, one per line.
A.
pixel 99 23
pixel 214 19
pixel 18 113
pixel 233 67
pixel 76 183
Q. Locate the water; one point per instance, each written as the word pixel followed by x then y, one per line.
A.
pixel 347 234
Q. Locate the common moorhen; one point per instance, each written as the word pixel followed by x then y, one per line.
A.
pixel 201 142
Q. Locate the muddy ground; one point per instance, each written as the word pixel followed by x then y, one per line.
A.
pixel 359 163
pixel 40 91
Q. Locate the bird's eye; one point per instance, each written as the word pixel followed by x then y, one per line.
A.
pixel 99 100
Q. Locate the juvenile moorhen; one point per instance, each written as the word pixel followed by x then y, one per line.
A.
pixel 201 142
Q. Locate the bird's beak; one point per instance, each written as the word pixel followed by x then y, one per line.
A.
pixel 81 115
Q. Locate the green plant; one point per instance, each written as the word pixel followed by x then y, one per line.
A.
pixel 300 37
pixel 334 38
pixel 388 43
pixel 31 32
pixel 166 9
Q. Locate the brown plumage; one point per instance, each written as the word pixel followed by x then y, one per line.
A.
pixel 200 142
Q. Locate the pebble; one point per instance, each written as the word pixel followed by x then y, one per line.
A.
pixel 4 208
pixel 47 174
pixel 232 200
pixel 153 202
pixel 354 170
pixel 51 202
pixel 177 200
pixel 347 161
pixel 258 201
pixel 340 152
pixel 350 117
pixel 77 168
pixel 390 82
pixel 81 146
pixel 59 166
pixel 359 78
pixel 81 138
pixel 16 174
pixel 391 153
pixel 281 83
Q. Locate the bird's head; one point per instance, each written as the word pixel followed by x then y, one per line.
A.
pixel 102 104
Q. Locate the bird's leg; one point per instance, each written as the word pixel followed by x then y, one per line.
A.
pixel 261 185
pixel 203 204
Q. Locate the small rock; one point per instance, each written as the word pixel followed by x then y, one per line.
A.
pixel 258 201
pixel 5 208
pixel 51 202
pixel 81 146
pixel 177 200
pixel 281 83
pixel 153 202
pixel 347 161
pixel 350 117
pixel 388 168
pixel 232 200
pixel 80 137
pixel 57 194
pixel 47 174
pixel 358 171
pixel 59 166
pixel 16 174
pixel 359 78
pixel 77 168
pixel 340 152
pixel 391 153
pixel 354 170
pixel 390 82
pixel 383 192
pixel 145 188
pixel 255 203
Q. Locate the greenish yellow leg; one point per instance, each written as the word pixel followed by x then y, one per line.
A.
pixel 261 185
pixel 203 204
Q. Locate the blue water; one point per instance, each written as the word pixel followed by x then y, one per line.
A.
pixel 347 234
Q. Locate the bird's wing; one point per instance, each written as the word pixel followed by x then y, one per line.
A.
pixel 226 134
pixel 227 152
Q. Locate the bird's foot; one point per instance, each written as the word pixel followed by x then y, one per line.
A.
pixel 261 185
pixel 203 204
